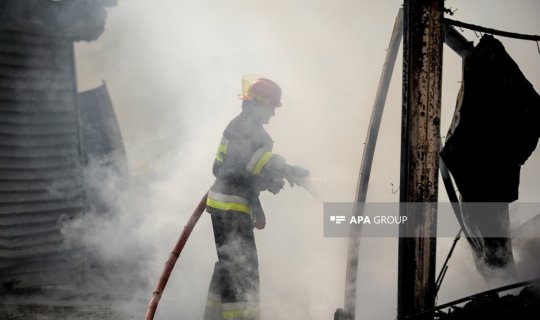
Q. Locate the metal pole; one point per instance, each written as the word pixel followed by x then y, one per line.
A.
pixel 455 41
pixel 422 83
pixel 365 170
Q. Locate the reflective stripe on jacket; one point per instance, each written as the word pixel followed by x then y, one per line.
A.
pixel 240 311
pixel 244 166
pixel 226 202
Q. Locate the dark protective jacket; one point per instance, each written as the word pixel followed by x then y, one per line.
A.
pixel 244 166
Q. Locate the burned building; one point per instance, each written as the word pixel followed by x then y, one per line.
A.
pixel 44 142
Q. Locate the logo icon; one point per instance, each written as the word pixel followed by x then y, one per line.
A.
pixel 337 219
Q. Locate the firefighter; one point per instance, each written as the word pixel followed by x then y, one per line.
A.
pixel 244 166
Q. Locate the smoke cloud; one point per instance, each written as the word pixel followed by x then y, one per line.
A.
pixel 173 70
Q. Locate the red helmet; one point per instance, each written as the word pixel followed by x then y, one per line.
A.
pixel 264 91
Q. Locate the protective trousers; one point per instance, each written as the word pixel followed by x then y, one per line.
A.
pixel 234 288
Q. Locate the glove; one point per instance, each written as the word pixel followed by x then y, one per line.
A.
pixel 296 175
pixel 259 219
pixel 276 186
pixel 260 223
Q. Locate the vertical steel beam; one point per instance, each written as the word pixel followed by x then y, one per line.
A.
pixel 422 71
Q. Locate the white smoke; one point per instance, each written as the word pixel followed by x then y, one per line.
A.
pixel 173 69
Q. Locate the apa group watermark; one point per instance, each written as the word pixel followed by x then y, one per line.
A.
pixel 377 219
pixel 369 220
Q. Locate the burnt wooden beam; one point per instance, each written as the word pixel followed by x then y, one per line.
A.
pixel 422 84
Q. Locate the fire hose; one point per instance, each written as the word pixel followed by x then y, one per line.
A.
pixel 175 254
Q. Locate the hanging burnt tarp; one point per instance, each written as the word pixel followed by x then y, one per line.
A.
pixel 495 129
